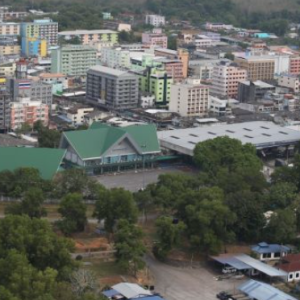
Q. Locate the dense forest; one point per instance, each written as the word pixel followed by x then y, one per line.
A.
pixel 88 14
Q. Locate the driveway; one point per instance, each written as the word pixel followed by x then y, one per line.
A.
pixel 178 283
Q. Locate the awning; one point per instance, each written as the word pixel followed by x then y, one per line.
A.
pixel 231 261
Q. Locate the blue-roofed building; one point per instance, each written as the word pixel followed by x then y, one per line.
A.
pixel 268 252
pixel 262 291
pixel 262 35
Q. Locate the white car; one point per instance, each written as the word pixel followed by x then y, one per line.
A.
pixel 228 270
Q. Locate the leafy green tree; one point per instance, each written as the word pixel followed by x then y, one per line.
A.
pixel 129 246
pixel 224 152
pixel 248 207
pixel 169 235
pixel 209 225
pixel 48 138
pixel 31 204
pixel 25 128
pixel 23 280
pixel 144 201
pixel 282 227
pixel 35 239
pixel 113 205
pixel 281 195
pixel 73 212
pixel 172 42
pixel 75 181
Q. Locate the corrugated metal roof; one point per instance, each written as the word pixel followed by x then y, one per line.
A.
pixel 260 266
pixel 262 291
pixel 261 134
pixel 231 261
pixel 131 290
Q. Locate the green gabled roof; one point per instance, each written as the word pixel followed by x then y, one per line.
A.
pixel 145 137
pixel 95 141
pixel 47 161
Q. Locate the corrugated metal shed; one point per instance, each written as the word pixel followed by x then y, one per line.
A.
pixel 262 291
pixel 260 266
pixel 231 261
pixel 131 290
pixel 269 248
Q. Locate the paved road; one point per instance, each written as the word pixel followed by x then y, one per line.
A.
pixel 177 283
pixel 135 181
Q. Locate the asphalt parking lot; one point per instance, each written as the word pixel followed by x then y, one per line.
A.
pixel 134 181
pixel 178 283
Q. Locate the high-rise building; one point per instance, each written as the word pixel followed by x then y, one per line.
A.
pixel 225 79
pixel 73 60
pixel 155 20
pixel 27 88
pixel 5 101
pixel 155 39
pixel 44 29
pixel 112 88
pixel 29 112
pixel 10 28
pixel 189 99
pixel 88 37
pixel 115 57
pixel 258 67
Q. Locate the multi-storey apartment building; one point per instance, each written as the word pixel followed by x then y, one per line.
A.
pixel 112 88
pixel 7 69
pixel 155 39
pixel 88 37
pixel 44 29
pixel 189 99
pixel 5 101
pixel 9 49
pixel 294 65
pixel 27 88
pixel 28 111
pixel 10 28
pixel 225 79
pixel 115 57
pixel 73 60
pixel 290 81
pixel 155 20
pixel 258 67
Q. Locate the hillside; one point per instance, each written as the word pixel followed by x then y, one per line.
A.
pixel 269 15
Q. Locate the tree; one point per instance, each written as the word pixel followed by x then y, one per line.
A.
pixel 23 280
pixel 113 205
pixel 129 246
pixel 172 42
pixel 25 128
pixel 229 55
pixel 225 152
pixel 169 234
pixel 73 211
pixel 35 239
pixel 30 205
pixel 144 201
pixel 209 225
pixel 248 206
pixel 75 181
pixel 282 227
pixel 48 138
pixel 281 195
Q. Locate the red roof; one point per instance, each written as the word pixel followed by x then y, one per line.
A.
pixel 292 258
pixel 290 267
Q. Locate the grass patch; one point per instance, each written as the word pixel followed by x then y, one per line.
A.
pixel 103 269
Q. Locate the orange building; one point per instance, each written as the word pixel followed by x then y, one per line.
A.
pixel 26 111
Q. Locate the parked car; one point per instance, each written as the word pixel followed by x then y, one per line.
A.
pixel 224 296
pixel 228 270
